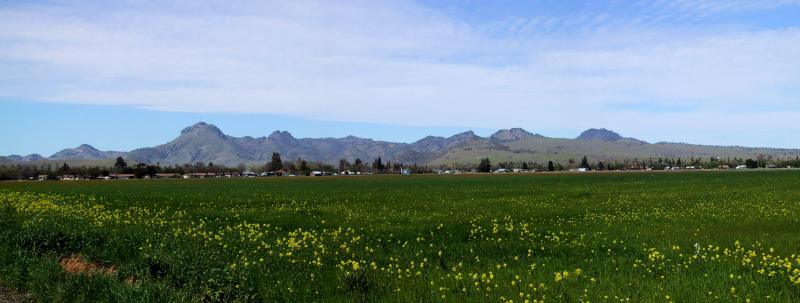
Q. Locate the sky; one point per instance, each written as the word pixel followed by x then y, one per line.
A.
pixel 126 74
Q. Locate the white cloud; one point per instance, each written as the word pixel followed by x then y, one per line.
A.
pixel 401 63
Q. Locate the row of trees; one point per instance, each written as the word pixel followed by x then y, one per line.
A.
pixel 378 165
pixel 485 164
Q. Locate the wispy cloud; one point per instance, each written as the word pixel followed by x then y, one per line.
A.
pixel 404 63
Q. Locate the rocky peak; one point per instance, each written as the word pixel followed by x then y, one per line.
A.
pixel 512 134
pixel 86 148
pixel 281 136
pixel 33 157
pixel 202 128
pixel 601 134
pixel 467 135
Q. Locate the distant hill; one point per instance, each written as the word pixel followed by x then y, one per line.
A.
pixel 82 152
pixel 31 157
pixel 205 143
pixel 601 134
pixel 514 134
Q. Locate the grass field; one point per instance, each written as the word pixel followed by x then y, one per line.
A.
pixel 638 237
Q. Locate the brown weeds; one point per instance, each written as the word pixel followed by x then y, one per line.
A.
pixel 76 264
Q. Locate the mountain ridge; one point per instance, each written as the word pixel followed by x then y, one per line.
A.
pixel 204 142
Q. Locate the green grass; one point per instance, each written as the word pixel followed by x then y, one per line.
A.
pixel 618 236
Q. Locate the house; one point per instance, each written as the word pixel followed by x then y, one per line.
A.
pixel 41 177
pixel 500 171
pixel 315 173
pixel 68 178
pixel 248 174
pixel 405 171
pixel 741 167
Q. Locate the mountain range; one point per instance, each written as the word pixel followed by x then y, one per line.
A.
pixel 205 143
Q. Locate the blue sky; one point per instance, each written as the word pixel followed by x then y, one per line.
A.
pixel 130 74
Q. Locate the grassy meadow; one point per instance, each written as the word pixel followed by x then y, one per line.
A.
pixel 598 237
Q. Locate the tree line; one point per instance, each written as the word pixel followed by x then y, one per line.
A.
pixel 22 171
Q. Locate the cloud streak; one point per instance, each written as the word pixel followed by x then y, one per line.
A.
pixel 407 64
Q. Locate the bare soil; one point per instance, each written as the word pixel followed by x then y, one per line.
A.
pixel 9 296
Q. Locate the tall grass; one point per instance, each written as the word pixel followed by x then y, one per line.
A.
pixel 727 236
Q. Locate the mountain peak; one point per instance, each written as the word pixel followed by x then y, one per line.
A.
pixel 86 147
pixel 599 134
pixel 83 151
pixel 465 135
pixel 202 128
pixel 281 136
pixel 33 157
pixel 512 134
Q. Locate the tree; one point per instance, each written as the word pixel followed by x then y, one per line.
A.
pixel 585 163
pixel 525 165
pixel 750 163
pixel 120 164
pixel 485 166
pixel 151 170
pixel 304 168
pixel 550 166
pixel 358 165
pixel 275 163
pixel 140 171
pixel 343 165
pixel 65 169
pixel 378 164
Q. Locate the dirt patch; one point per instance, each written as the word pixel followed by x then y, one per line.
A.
pixel 8 296
pixel 76 264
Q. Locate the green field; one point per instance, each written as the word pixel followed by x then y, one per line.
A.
pixel 605 237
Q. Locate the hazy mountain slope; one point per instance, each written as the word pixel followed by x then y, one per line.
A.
pixel 84 151
pixel 561 150
pixel 198 143
pixel 206 143
pixel 513 134
pixel 32 157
